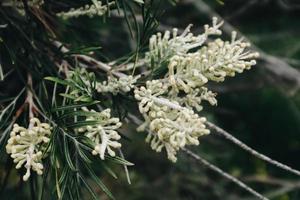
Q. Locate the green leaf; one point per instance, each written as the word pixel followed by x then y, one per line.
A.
pixel 83 156
pixel 109 170
pixel 46 172
pixel 221 2
pixel 82 123
pixel 64 175
pixel 69 96
pixel 82 50
pixel 139 1
pixel 84 98
pixel 69 107
pixel 77 113
pixel 9 109
pixel 88 187
pixel 57 80
pixel 4 136
pixel 98 181
pixel 67 155
pixel 1 72
pixel 119 160
pixel 63 180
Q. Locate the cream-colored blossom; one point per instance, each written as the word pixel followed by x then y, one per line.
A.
pixel 96 9
pixel 163 47
pixel 176 131
pixel 171 126
pixel 20 4
pixel 27 145
pixel 194 98
pixel 213 62
pixel 103 134
pixel 116 85
pixel 167 104
pixel 112 85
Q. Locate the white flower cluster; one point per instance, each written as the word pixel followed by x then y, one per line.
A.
pixel 167 104
pixel 116 85
pixel 19 5
pixel 213 62
pixel 171 126
pixel 175 131
pixel 96 9
pixel 103 134
pixel 162 48
pixel 27 146
pixel 111 85
pixel 194 98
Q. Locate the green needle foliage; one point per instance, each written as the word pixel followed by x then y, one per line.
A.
pixel 27 55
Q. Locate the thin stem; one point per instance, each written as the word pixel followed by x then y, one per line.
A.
pixel 29 99
pixel 224 174
pixel 92 61
pixel 239 143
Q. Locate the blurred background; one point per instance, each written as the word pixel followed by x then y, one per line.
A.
pixel 261 107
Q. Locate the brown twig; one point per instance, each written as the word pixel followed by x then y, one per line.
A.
pixel 32 108
pixel 243 9
pixel 239 143
pixel 270 180
pixel 222 173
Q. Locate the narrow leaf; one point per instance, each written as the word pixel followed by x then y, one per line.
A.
pixel 67 155
pixel 57 80
pixel 69 107
pixel 82 123
pixel 98 181
pixel 119 160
